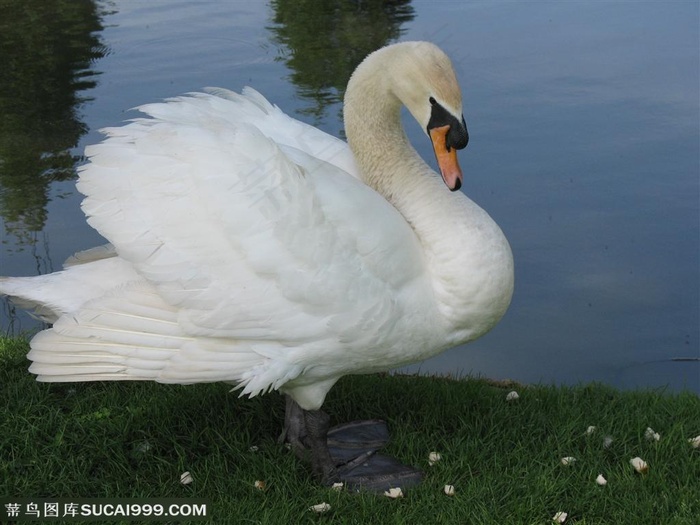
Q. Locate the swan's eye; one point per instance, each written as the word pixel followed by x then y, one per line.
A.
pixel 432 101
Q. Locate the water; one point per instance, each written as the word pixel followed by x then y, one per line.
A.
pixel 584 148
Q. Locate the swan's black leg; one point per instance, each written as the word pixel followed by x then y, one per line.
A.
pixel 294 431
pixel 322 464
pixel 346 452
pixel 307 433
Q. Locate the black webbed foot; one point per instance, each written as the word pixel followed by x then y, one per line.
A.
pixel 346 453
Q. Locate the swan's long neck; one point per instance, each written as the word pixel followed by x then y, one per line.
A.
pixel 467 257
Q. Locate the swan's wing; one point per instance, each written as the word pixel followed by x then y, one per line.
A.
pixel 253 242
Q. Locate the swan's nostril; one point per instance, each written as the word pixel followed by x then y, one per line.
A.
pixel 458 136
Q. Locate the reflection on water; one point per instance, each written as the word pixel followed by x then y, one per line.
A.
pixel 325 40
pixel 46 50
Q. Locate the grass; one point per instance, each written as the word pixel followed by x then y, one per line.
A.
pixel 135 439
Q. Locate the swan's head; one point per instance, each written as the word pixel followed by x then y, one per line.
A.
pixel 419 76
pixel 425 82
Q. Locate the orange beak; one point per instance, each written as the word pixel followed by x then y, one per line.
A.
pixel 446 158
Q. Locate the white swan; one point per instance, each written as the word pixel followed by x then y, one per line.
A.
pixel 249 247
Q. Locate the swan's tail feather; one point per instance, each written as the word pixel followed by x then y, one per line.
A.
pixel 50 296
pixel 128 334
pixel 132 334
pixel 27 293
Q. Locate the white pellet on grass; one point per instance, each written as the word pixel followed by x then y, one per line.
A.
pixel 512 396
pixel 320 508
pixel 568 461
pixel 186 478
pixel 143 447
pixel 433 458
pixel 394 493
pixel 449 490
pixel 650 435
pixel 639 465
pixel 560 517
pixel 600 480
pixel 695 442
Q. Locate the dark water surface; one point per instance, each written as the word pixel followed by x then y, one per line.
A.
pixel 584 119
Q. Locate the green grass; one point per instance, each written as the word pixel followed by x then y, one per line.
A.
pixel 135 439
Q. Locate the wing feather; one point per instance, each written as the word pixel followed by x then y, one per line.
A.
pixel 258 250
